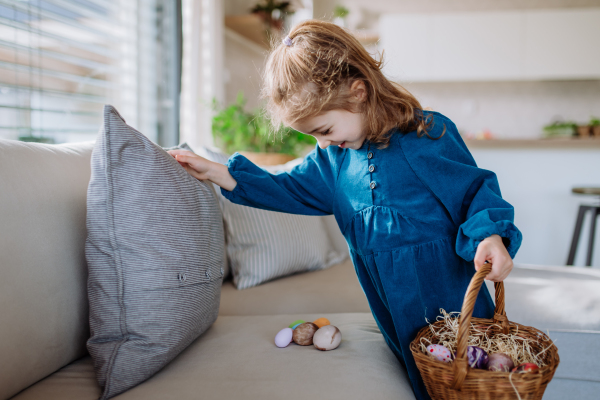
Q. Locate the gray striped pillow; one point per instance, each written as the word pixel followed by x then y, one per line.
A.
pixel 264 245
pixel 155 253
pixel 216 190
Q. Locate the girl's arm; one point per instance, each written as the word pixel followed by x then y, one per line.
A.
pixel 471 195
pixel 307 189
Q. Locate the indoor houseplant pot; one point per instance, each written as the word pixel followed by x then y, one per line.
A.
pixel 249 133
pixel 595 127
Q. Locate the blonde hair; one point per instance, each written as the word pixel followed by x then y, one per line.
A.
pixel 313 75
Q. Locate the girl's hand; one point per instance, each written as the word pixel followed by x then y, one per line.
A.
pixel 203 169
pixel 493 249
pixel 197 166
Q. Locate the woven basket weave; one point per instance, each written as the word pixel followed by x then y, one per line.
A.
pixel 455 380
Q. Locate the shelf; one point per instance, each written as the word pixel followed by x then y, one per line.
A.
pixel 244 41
pixel 250 26
pixel 558 144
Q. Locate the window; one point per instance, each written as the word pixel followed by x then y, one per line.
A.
pixel 62 60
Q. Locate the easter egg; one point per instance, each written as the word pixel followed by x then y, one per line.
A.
pixel 303 334
pixel 439 352
pixel 477 357
pixel 328 337
pixel 294 324
pixel 500 362
pixel 284 337
pixel 526 368
pixel 321 322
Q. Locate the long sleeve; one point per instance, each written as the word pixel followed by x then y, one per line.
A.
pixel 307 189
pixel 470 195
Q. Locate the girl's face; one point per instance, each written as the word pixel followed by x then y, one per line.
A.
pixel 336 128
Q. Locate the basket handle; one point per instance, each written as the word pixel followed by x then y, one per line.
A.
pixel 460 362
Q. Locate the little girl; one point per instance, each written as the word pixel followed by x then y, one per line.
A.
pixel 418 215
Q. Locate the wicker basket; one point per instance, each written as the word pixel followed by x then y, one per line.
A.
pixel 450 381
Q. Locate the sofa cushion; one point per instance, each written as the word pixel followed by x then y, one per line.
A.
pixel 264 245
pixel 155 254
pixel 43 302
pixel 246 364
pixel 332 290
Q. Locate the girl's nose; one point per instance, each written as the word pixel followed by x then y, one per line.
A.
pixel 323 144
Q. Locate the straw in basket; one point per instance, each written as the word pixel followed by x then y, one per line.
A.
pixel 454 381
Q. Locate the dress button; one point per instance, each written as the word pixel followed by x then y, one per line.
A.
pixel 370 155
pixel 373 184
pixel 371 168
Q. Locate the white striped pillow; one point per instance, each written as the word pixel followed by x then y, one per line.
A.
pixel 264 245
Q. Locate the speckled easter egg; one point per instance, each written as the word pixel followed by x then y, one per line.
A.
pixel 500 362
pixel 328 337
pixel 303 334
pixel 321 322
pixel 294 324
pixel 477 357
pixel 439 352
pixel 284 337
pixel 526 368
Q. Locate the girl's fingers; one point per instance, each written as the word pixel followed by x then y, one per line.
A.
pixel 191 162
pixel 480 259
pixel 175 153
pixel 180 151
pixel 500 271
pixel 184 159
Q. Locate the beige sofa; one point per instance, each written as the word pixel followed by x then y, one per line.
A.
pixel 44 323
pixel 44 326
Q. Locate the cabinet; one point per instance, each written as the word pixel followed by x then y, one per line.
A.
pixel 501 45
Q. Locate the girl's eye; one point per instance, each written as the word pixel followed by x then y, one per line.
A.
pixel 326 132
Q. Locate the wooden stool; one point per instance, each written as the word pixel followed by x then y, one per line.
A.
pixel 595 209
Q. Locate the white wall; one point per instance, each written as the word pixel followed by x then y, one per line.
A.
pixel 538 184
pixel 244 65
pixel 511 110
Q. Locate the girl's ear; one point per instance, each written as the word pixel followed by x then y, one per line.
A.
pixel 358 91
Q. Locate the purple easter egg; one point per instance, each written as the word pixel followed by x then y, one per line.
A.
pixel 477 357
pixel 500 362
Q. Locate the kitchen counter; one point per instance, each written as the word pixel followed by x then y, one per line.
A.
pixel 554 143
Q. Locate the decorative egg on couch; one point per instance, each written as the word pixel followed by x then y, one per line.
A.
pixel 328 337
pixel 303 334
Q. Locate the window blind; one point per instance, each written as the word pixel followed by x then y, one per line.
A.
pixel 62 60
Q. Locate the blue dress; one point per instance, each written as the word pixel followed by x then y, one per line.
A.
pixel 412 215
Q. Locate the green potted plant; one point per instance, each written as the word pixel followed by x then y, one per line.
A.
pixel 560 129
pixel 235 129
pixel 595 126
